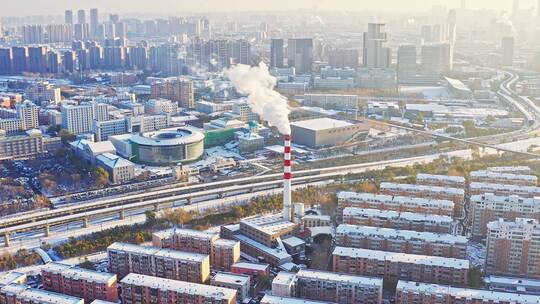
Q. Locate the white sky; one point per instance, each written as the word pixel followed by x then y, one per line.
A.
pixel 56 7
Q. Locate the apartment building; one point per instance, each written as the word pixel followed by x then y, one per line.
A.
pixel 21 294
pixel 510 169
pixel 394 203
pixel 455 195
pixel 488 207
pixel 412 293
pixel 78 282
pixel 22 146
pixel 225 253
pixel 400 266
pixel 238 282
pixel 188 240
pixel 513 284
pixel 267 229
pixel 503 190
pixel 404 241
pixel 164 263
pixel 440 180
pixel 328 286
pixel 398 220
pixel 513 247
pixel 139 289
pixel 179 90
pixel 486 176
pixel 270 299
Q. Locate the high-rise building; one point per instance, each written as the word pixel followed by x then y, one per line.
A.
pixel 375 55
pixel 20 59
pixel 77 119
pixel 241 51
pixel 507 50
pixel 81 16
pixel 343 58
pixel 513 248
pixel 81 31
pixel 28 112
pixel 6 59
pixel 436 58
pixel 33 34
pixel 406 63
pixel 37 59
pixel 137 57
pixel 276 53
pixel 59 32
pixel 179 90
pixel 300 54
pixel 68 61
pixel 53 62
pixel 94 22
pixel 68 17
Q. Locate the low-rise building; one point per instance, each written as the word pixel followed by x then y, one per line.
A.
pixel 404 241
pixel 400 266
pixel 394 203
pixel 440 180
pixel 487 176
pixel 413 292
pixel 328 286
pixel 79 282
pixel 225 253
pixel 120 170
pixel 21 294
pixel 455 195
pixel 137 288
pixel 164 263
pixel 503 190
pixel 513 284
pixel 239 282
pixel 267 229
pixel 22 146
pixel 315 220
pixel 398 220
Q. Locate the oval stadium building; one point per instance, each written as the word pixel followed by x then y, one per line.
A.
pixel 167 147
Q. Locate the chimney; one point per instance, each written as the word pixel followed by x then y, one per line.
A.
pixel 287 175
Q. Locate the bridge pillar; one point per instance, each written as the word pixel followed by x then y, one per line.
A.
pixel 86 222
pixel 47 229
pixel 122 214
pixel 6 240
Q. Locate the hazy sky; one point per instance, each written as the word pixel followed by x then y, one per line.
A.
pixel 56 7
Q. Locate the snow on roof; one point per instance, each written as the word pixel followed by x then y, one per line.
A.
pixel 339 277
pixel 41 296
pixel 396 200
pixel 187 233
pixel 510 169
pixel 100 147
pixel 510 281
pixel 491 187
pixel 447 178
pixel 465 293
pixel 316 217
pixel 225 243
pixel 78 273
pixel 503 176
pixel 113 161
pixel 231 278
pixel 508 202
pixel 158 252
pixel 284 278
pixel 396 257
pixel 270 224
pixel 250 265
pixel 388 214
pixel 422 188
pixel 293 241
pixel 277 253
pixel 269 299
pixel 319 124
pixel 11 277
pixel 179 286
pixel 389 233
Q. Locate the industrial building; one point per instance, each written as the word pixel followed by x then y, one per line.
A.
pixel 321 132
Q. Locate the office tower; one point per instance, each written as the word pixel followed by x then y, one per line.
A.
pixel 33 34
pixel 81 16
pixel 507 50
pixel 37 59
pixel 513 247
pixel 68 62
pixel 300 54
pixel 81 31
pixel 20 59
pixel 77 119
pixel 342 58
pixel 6 59
pixel 241 51
pixel 94 22
pixel 68 17
pixel 375 55
pixel 53 62
pixel 515 7
pixel 276 53
pixel 436 59
pixel 406 63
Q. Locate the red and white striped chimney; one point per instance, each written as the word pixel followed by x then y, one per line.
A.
pixel 287 175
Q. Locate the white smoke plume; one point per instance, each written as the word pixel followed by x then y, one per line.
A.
pixel 257 83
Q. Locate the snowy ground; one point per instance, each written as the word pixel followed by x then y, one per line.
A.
pixel 476 253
